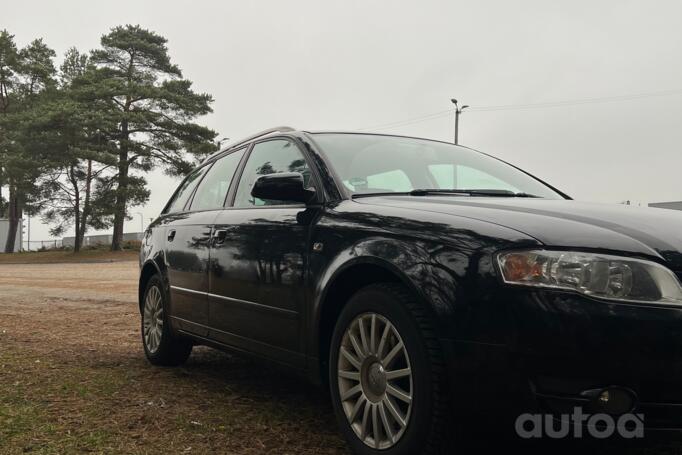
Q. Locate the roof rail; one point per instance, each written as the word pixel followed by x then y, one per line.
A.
pixel 276 129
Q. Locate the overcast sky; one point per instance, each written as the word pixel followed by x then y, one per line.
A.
pixel 358 64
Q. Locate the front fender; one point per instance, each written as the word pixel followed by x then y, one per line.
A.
pixel 409 262
pixel 447 263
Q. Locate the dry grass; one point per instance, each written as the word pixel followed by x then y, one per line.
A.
pixel 63 256
pixel 73 379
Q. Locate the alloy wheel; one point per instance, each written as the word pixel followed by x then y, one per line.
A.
pixel 153 319
pixel 375 380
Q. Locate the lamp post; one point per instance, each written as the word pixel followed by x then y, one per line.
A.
pixel 458 111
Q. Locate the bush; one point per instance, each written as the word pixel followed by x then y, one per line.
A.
pixel 51 247
pixel 132 245
pixel 96 246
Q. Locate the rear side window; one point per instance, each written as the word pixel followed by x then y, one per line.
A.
pixel 185 191
pixel 213 188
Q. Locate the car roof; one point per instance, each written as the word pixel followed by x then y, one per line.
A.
pixel 370 133
pixel 286 129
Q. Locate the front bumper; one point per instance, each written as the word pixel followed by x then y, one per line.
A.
pixel 556 346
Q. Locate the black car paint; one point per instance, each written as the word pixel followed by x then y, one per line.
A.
pixel 505 346
pixel 257 281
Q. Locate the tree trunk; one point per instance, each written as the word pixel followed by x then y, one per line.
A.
pixel 77 225
pixel 121 199
pixel 76 209
pixel 86 204
pixel 123 165
pixel 14 214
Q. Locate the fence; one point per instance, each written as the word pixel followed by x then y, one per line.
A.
pixel 101 239
pixel 42 245
pixel 68 242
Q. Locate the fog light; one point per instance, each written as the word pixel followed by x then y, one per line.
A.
pixel 611 400
pixel 604 397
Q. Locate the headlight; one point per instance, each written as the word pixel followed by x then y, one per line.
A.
pixel 598 275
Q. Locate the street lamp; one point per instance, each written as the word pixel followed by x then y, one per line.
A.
pixel 458 110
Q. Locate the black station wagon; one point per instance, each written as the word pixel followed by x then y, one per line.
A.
pixel 419 281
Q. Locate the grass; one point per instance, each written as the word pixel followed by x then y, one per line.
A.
pixel 216 404
pixel 74 405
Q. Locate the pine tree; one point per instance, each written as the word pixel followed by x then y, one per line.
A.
pixel 9 57
pixel 153 108
pixel 25 76
pixel 70 134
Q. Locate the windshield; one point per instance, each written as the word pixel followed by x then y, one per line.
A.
pixel 368 163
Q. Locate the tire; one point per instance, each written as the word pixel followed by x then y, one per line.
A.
pixel 160 345
pixel 378 377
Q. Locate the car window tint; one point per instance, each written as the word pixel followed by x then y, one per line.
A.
pixel 270 157
pixel 185 190
pixel 213 188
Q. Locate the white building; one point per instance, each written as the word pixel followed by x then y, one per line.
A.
pixel 103 239
pixel 4 229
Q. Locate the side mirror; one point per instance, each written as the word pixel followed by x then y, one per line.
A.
pixel 285 186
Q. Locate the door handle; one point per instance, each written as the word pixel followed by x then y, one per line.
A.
pixel 219 236
pixel 171 235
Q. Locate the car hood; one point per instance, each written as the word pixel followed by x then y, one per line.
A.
pixel 564 223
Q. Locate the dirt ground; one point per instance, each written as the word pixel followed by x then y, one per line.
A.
pixel 73 379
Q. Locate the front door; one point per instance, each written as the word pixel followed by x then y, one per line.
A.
pixel 186 252
pixel 259 262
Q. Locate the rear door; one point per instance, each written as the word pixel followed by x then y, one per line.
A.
pixel 257 281
pixel 189 236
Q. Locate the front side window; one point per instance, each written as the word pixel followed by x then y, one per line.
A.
pixel 213 188
pixel 369 163
pixel 185 191
pixel 270 157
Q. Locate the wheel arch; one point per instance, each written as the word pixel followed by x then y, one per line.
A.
pixel 148 270
pixel 347 279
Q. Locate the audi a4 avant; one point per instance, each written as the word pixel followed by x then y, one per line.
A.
pixel 419 281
